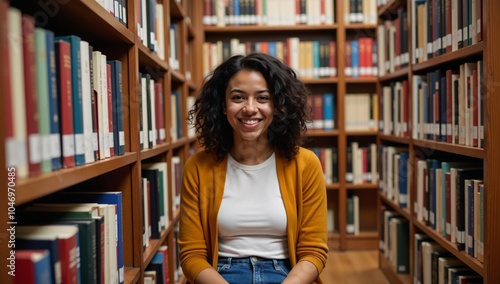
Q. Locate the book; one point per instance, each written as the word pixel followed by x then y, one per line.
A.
pixel 43 92
pixel 61 240
pixel 34 266
pixel 64 90
pixel 76 97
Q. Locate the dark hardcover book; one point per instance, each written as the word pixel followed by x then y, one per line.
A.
pixel 117 107
pixel 153 177
pixel 109 99
pixel 462 175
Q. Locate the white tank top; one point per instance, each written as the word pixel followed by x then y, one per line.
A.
pixel 252 218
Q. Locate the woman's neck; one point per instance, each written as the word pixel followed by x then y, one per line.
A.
pixel 251 153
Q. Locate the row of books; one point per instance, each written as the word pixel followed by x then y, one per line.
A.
pixel 158 195
pixel 152 112
pixel 310 59
pixel 360 11
pixel 322 111
pixel 117 8
pixel 451 25
pixel 449 198
pixel 395 177
pixel 392 38
pixel 150 22
pixel 268 13
pixel 449 105
pixel 79 236
pixel 361 163
pixel 395 109
pixel 361 57
pixel 64 100
pixel 328 158
pixel 361 111
pixel 432 263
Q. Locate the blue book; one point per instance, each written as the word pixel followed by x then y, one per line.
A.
pixel 328 111
pixel 316 59
pixel 117 108
pixel 107 197
pixel 55 131
pixel 434 165
pixel 271 49
pixel 355 58
pixel 236 12
pixel 34 266
pixel 76 79
pixel 403 180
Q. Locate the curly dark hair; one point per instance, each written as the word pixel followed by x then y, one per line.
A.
pixel 288 93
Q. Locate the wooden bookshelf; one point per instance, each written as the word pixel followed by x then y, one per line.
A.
pixel 93 23
pixel 487 50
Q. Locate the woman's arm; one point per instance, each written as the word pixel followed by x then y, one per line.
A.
pixel 304 272
pixel 209 276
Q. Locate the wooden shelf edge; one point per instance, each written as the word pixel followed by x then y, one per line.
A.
pixel 32 188
pixel 394 75
pixel 405 212
pixel 450 148
pixel 459 54
pixel 397 139
pixel 363 186
pixel 155 151
pixel 263 29
pixel 132 275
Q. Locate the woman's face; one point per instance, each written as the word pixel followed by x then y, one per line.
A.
pixel 249 106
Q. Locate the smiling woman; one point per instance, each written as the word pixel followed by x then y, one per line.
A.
pixel 253 203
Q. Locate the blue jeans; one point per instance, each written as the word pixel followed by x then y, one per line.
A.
pixel 253 270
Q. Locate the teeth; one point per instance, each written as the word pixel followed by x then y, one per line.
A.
pixel 250 121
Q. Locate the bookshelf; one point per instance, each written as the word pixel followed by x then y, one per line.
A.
pixel 126 42
pixel 425 148
pixel 220 35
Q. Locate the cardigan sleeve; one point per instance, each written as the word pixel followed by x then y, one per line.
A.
pixel 193 251
pixel 312 213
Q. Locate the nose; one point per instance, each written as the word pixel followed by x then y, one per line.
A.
pixel 250 106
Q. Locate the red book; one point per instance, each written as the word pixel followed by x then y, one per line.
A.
pixel 362 57
pixel 369 56
pixel 317 111
pixel 448 35
pixel 397 44
pixel 63 66
pixel 348 59
pixel 332 58
pixel 30 91
pixel 33 265
pixel 110 110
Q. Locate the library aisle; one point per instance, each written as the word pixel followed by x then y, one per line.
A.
pixel 352 267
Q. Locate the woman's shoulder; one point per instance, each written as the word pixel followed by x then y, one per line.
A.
pixel 201 159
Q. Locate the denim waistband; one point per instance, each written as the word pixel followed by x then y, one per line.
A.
pixel 253 259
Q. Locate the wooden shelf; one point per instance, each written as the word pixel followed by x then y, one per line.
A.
pixel 390 272
pixel 450 148
pixel 252 29
pixel 447 58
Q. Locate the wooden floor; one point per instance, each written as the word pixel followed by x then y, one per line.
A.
pixel 353 267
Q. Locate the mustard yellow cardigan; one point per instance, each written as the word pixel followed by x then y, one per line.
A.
pixel 303 191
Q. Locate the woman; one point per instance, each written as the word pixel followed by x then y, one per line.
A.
pixel 253 203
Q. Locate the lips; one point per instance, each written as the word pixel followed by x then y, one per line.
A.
pixel 250 121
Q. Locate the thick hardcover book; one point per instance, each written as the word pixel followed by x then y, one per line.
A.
pixel 31 96
pixel 42 84
pixel 76 94
pixel 64 89
pixel 117 103
pixel 34 266
pixel 6 85
pixel 16 74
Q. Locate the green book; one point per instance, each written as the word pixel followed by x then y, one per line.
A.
pixel 42 88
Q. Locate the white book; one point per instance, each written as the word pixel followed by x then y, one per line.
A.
pixel 152 97
pixel 104 102
pixel 86 102
pixel 145 125
pixel 16 150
